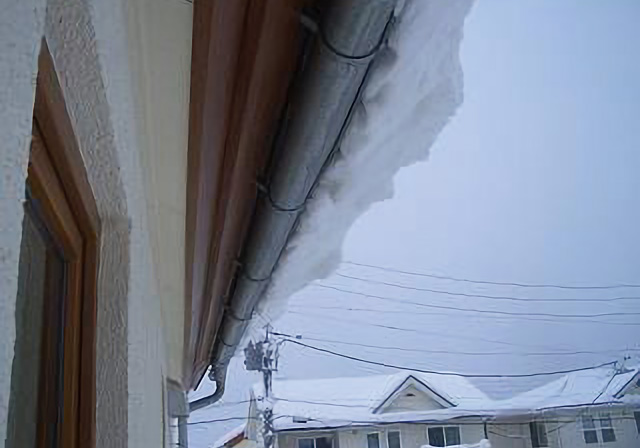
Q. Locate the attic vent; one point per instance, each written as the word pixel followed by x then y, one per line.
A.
pixel 300 420
pixel 410 394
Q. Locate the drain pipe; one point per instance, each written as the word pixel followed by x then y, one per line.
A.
pixel 352 32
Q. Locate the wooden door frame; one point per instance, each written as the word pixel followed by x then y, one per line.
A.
pixel 59 177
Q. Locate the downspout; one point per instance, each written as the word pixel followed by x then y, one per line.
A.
pixel 348 41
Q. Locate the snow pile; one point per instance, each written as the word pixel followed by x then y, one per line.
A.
pixel 484 443
pixel 414 89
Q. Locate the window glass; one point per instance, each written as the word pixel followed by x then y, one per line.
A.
pixel 538 435
pixel 605 421
pixel 608 435
pixel 452 435
pixel 324 442
pixel 39 336
pixel 587 422
pixel 606 428
pixel 591 436
pixel 393 439
pixel 373 440
pixel 636 415
pixel 436 436
pixel 305 443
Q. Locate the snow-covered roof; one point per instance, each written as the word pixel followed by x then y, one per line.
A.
pixel 354 401
pixel 588 387
pixel 228 437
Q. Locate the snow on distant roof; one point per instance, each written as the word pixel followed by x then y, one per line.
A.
pixel 596 386
pixel 335 402
pixel 352 401
pixel 235 432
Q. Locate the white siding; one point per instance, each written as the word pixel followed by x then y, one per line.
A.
pixel 571 435
pixel 509 435
pixel 411 435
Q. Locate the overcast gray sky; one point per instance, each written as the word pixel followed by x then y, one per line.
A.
pixel 534 180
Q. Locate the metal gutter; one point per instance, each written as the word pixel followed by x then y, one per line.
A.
pixel 348 41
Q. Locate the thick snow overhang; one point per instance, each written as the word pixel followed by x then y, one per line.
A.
pixel 329 160
pixel 243 58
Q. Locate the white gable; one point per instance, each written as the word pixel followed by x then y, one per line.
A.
pixel 412 399
pixel 412 395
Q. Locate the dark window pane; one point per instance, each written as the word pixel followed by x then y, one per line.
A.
pixel 591 436
pixel 37 316
pixel 608 435
pixel 305 443
pixel 533 429
pixel 605 421
pixel 542 434
pixel 637 417
pixel 393 439
pixel 324 442
pixel 538 435
pixel 373 440
pixel 587 422
pixel 452 435
pixel 436 436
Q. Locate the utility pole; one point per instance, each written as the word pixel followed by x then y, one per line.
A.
pixel 263 357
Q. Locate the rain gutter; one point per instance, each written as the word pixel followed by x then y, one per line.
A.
pixel 351 33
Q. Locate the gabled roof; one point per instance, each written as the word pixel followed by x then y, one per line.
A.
pixel 589 387
pixel 354 400
pixel 412 381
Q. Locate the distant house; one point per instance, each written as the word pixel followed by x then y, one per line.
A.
pixel 592 408
pixel 235 438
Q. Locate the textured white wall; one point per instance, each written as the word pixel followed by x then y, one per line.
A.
pixel 89 43
pixel 20 31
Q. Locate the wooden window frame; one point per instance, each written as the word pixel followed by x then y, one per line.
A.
pixel 57 180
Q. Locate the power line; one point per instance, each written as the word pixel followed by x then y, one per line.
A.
pixel 486 296
pixel 417 331
pixel 435 372
pixel 221 420
pixel 417 350
pixel 381 423
pixel 432 313
pixel 472 310
pixel 487 282
pixel 452 422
